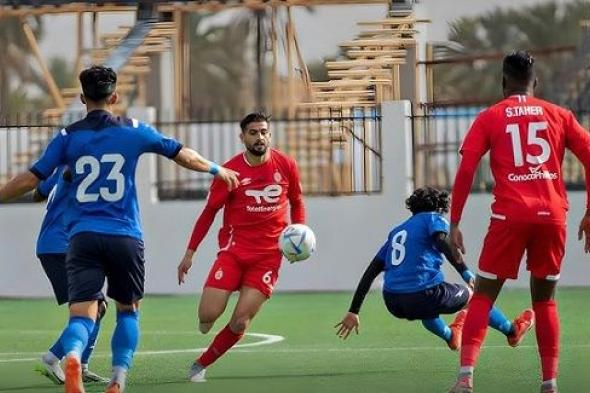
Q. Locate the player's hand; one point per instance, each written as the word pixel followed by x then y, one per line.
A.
pixel 471 284
pixel 229 177
pixel 184 266
pixel 349 322
pixel 584 232
pixel 457 242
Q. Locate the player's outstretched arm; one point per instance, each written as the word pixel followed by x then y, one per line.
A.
pixel 19 185
pixel 190 159
pixel 351 320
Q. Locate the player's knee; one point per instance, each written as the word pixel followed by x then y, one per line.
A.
pixel 209 314
pixel 205 327
pixel 102 309
pixel 239 324
pixel 133 307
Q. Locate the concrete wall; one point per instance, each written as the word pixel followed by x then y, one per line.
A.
pixel 349 230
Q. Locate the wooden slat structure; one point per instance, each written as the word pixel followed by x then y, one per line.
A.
pixel 368 75
pixel 131 75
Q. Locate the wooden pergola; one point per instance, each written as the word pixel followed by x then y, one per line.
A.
pixel 370 73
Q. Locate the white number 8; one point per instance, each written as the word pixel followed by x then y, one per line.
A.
pixel 398 242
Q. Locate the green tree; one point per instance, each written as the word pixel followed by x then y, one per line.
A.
pixel 502 30
pixel 16 70
pixel 221 68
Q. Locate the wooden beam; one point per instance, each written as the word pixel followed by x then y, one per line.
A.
pixel 379 42
pixel 367 63
pixel 53 89
pixel 359 53
pixel 376 73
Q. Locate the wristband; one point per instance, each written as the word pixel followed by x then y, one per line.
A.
pixel 214 168
pixel 467 276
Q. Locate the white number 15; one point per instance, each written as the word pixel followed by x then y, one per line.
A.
pixel 532 139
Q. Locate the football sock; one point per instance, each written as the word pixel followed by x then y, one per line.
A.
pixel 57 350
pixel 50 358
pixel 547 330
pixel 125 338
pixel 91 342
pixel 499 322
pixel 224 340
pixel 438 327
pixel 475 329
pixel 75 336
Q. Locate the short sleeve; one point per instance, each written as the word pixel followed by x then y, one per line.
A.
pixel 44 188
pixel 53 156
pixel 155 142
pixel 477 139
pixel 437 223
pixel 382 253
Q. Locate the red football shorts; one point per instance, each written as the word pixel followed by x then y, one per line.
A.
pixel 232 271
pixel 506 242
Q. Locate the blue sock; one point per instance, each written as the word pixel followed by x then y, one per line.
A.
pixel 499 321
pixel 91 343
pixel 57 349
pixel 75 336
pixel 438 327
pixel 125 338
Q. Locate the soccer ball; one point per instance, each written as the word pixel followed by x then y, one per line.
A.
pixel 297 242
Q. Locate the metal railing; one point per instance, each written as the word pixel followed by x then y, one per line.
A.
pixel 337 154
pixel 438 133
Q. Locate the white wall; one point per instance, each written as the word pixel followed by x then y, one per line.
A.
pixel 349 230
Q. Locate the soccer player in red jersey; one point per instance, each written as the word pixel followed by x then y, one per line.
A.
pixel 526 138
pixel 249 258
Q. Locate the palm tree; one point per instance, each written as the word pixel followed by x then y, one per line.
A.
pixel 221 64
pixel 502 30
pixel 16 70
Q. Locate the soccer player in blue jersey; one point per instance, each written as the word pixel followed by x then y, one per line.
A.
pixel 52 246
pixel 414 286
pixel 104 232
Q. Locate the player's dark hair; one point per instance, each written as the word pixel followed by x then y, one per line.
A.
pixel 428 199
pixel 252 118
pixel 519 67
pixel 98 82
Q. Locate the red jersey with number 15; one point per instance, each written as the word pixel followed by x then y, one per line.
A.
pixel 527 138
pixel 255 213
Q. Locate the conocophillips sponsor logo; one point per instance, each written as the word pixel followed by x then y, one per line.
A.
pixel 535 174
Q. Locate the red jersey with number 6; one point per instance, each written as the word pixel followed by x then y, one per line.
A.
pixel 255 213
pixel 527 138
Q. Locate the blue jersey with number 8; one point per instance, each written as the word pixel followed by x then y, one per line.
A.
pixel 102 152
pixel 412 262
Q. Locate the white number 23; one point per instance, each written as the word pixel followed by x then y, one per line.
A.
pixel 84 162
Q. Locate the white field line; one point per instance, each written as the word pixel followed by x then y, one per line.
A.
pixel 266 339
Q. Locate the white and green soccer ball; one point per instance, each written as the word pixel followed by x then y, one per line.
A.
pixel 297 242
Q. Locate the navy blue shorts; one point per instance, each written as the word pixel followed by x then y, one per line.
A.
pixel 55 269
pixel 94 257
pixel 444 298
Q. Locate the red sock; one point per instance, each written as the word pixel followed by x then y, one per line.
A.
pixel 547 329
pixel 224 340
pixel 475 329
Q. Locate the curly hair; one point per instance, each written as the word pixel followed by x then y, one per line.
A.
pixel 428 199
